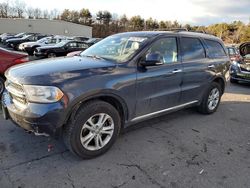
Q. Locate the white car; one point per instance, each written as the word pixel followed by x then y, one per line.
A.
pixel 30 47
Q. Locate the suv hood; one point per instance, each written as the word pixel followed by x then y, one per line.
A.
pixel 46 72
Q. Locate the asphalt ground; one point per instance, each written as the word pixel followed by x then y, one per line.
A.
pixel 182 149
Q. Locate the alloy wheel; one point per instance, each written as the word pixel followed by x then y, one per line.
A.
pixel 97 131
pixel 213 99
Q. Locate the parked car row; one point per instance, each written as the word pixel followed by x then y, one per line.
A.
pixel 31 42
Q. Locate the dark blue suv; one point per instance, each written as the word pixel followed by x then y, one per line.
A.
pixel 121 80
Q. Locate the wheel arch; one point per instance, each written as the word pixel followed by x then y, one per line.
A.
pixel 110 98
pixel 220 81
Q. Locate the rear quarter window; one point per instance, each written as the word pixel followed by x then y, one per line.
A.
pixel 215 49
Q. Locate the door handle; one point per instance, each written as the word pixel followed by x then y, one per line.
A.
pixel 211 66
pixel 176 71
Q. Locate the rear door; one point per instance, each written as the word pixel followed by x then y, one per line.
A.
pixel 196 69
pixel 159 87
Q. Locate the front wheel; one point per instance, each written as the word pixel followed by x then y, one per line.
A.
pixel 211 99
pixel 93 130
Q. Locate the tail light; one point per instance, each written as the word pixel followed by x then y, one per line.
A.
pixel 21 60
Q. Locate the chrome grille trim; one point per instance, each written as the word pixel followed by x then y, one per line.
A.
pixel 17 94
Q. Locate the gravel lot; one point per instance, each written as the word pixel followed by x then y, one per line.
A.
pixel 182 149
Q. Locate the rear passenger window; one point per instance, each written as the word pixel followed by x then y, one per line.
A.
pixel 192 49
pixel 215 49
pixel 167 48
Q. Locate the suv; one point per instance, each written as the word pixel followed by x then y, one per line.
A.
pixel 121 80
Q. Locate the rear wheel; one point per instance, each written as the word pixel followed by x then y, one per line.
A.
pixel 51 55
pixel 93 130
pixel 211 99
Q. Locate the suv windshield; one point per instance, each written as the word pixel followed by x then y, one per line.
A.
pixel 116 48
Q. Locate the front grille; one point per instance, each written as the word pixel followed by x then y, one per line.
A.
pixel 18 87
pixel 17 94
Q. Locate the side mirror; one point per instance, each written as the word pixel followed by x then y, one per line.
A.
pixel 153 59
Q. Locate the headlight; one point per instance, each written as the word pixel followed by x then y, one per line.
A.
pixel 235 67
pixel 42 94
pixel 235 63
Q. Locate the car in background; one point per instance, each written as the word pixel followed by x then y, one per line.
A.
pixel 5 35
pixel 19 35
pixel 92 41
pixel 240 70
pixel 14 43
pixel 234 53
pixel 30 47
pixel 60 49
pixel 244 49
pixel 8 59
pixel 80 38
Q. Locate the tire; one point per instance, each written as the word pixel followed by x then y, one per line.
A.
pixel 16 47
pixel 1 85
pixel 74 131
pixel 205 107
pixel 233 81
pixel 31 52
pixel 51 55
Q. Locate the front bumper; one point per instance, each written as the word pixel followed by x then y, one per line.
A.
pixel 243 77
pixel 37 118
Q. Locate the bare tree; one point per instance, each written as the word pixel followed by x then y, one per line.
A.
pixel 45 14
pixel 30 12
pixel 37 13
pixel 19 8
pixel 54 14
pixel 4 10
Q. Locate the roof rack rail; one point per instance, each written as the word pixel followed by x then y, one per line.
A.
pixel 181 29
pixel 199 31
pixel 172 29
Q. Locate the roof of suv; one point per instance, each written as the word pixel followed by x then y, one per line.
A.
pixel 183 33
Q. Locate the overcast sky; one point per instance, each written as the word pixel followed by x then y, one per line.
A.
pixel 202 12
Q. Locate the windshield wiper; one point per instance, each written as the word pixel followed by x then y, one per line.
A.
pixel 95 57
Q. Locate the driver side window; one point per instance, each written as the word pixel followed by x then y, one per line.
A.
pixel 167 48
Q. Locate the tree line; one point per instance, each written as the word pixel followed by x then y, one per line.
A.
pixel 105 23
